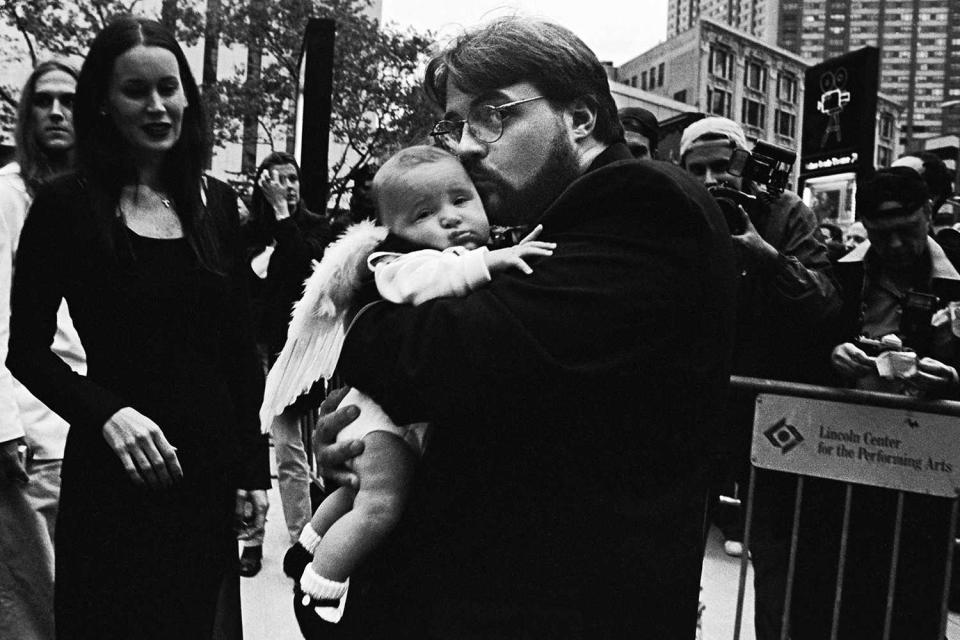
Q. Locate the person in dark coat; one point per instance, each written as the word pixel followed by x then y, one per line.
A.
pixel 282 239
pixel 564 489
pixel 164 453
pixel 898 258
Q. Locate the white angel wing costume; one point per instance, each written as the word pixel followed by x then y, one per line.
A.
pixel 317 329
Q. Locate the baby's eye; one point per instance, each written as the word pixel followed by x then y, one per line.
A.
pixel 422 215
pixel 461 200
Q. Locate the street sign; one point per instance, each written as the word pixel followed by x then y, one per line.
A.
pixel 877 446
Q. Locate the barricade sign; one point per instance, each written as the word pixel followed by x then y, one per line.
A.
pixel 871 445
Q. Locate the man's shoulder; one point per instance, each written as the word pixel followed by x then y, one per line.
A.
pixel 660 192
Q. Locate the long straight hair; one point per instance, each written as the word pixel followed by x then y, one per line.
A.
pixel 104 157
pixel 35 165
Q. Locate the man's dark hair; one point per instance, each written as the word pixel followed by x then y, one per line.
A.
pixel 35 166
pixel 937 176
pixel 639 120
pixel 893 184
pixel 514 49
pixel 103 156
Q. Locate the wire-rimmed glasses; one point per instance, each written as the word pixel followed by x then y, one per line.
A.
pixel 485 124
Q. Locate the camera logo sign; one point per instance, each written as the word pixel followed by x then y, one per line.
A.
pixel 783 436
pixel 832 101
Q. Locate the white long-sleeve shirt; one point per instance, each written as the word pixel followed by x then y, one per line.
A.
pixel 419 276
pixel 21 414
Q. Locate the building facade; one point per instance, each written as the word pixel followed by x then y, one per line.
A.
pixel 759 18
pixel 721 71
pixel 919 41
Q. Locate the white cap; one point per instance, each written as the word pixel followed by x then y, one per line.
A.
pixel 716 129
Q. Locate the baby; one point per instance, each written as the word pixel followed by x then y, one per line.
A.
pixel 425 198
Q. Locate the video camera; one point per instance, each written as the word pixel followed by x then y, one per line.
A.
pixel 768 165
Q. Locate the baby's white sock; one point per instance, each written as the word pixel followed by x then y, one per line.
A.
pixel 321 588
pixel 310 539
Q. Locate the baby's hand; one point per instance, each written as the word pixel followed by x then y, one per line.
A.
pixel 503 259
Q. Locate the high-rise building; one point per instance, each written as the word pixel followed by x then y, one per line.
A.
pixel 919 42
pixel 759 18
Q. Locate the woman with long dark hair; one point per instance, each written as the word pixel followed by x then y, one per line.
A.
pixel 164 446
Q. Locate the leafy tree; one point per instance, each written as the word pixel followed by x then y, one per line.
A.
pixel 377 103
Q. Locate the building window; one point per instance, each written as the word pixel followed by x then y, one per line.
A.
pixel 754 113
pixel 680 96
pixel 633 81
pixel 719 102
pixel 884 156
pixel 886 126
pixel 755 75
pixel 660 74
pixel 643 80
pixel 785 124
pixel 787 87
pixel 721 62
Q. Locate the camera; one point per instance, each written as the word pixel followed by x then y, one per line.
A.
pixel 730 200
pixel 768 165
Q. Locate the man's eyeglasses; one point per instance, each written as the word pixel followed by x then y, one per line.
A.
pixel 485 124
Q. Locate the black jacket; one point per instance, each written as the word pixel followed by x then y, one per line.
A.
pixel 299 240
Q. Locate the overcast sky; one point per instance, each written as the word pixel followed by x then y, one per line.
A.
pixel 616 30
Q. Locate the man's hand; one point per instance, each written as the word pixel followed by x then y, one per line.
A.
pixel 852 361
pixel 334 457
pixel 934 377
pixel 752 244
pixel 142 448
pixel 251 512
pixel 12 468
pixel 513 257
pixel 275 193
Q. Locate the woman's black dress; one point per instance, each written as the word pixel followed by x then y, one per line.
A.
pixel 171 340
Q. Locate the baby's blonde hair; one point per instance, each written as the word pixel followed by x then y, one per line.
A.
pixel 391 175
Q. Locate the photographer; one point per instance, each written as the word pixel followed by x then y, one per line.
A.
pixel 787 301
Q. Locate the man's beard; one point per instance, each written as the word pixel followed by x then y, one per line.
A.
pixel 508 205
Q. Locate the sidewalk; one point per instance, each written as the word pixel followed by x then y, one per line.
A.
pixel 267 598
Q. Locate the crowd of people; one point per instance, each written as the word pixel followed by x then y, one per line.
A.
pixel 536 432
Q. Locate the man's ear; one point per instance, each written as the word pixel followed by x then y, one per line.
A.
pixel 582 116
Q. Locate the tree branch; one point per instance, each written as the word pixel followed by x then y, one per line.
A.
pixel 21 27
pixel 9 99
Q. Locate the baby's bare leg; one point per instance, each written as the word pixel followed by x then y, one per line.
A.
pixel 386 469
pixel 333 507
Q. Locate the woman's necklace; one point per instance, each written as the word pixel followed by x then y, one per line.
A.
pixel 164 200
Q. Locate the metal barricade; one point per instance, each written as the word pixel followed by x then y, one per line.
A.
pixel 797 430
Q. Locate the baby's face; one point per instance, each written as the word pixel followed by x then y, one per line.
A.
pixel 438 207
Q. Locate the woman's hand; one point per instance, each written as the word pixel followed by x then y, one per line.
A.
pixel 334 457
pixel 275 193
pixel 142 448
